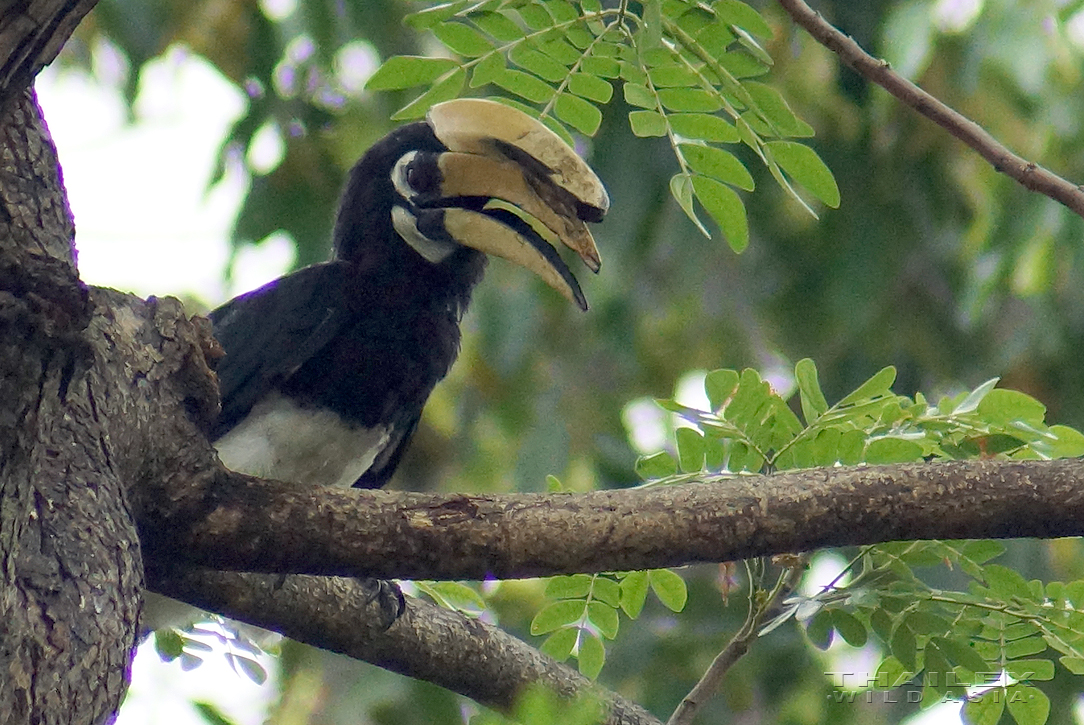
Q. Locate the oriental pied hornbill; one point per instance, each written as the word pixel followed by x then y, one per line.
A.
pixel 327 369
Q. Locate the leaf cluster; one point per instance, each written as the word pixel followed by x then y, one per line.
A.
pixel 191 645
pixel 751 428
pixel 586 611
pixel 986 646
pixel 685 67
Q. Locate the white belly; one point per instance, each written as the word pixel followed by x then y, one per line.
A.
pixel 280 440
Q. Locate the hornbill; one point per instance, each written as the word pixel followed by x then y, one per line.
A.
pixel 326 370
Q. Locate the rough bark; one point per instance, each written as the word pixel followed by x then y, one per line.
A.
pixel 71 564
pixel 31 34
pixel 427 642
pixel 255 525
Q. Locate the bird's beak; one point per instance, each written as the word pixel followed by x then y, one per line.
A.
pixel 496 152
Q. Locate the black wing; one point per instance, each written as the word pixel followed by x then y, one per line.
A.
pixel 269 333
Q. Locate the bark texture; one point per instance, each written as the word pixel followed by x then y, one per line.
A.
pixel 428 642
pixel 71 569
pixel 32 32
pixel 255 525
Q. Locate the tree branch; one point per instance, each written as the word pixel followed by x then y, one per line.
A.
pixel 428 642
pixel 708 685
pixel 247 524
pixel 31 34
pixel 1027 173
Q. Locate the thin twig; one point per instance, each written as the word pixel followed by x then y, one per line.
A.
pixel 1029 174
pixel 736 648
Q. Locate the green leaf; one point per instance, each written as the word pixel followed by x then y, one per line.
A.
pixel 639 95
pixel 590 87
pixel 805 166
pixel 408 71
pixel 1073 664
pixel 601 67
pixel 634 593
pixel 576 586
pixel 753 48
pixel 1027 705
pixel 892 450
pixel 579 36
pixel 537 63
pixel 559 644
pixel 891 673
pixel 938 670
pixel 443 90
pixel 1025 647
pixel 458 596
pixel 718 164
pixel 924 622
pixel 704 126
pixel 488 70
pixel 903 646
pixel 561 11
pixel 1006 582
pixel 249 667
pixel 819 629
pixel 535 16
pixel 672 76
pixel 578 113
pixel 971 402
pixel 681 188
pixel 690 445
pixel 524 85
pixel 814 404
pixel 850 628
pixel 168 644
pixel 669 588
pixel 689 99
pixel 965 656
pixel 983 550
pixel 604 617
pixel 210 713
pixel 1068 443
pixel 558 614
pixel 741 65
pixel 658 465
pixel 773 108
pixel 986 709
pixel 726 208
pixel 880 622
pixel 1033 669
pixel 497 25
pixel 695 19
pixel 462 39
pixel 591 655
pixel 426 19
pixel 714 39
pixel 605 589
pixel 647 123
pixel 740 14
pixel 719 385
pixel 878 385
pixel 1005 406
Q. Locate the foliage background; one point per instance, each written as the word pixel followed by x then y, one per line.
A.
pixel 933 263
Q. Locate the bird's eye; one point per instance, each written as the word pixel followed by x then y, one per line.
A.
pixel 416 174
pixel 414 177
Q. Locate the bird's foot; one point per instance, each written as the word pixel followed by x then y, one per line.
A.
pixel 388 597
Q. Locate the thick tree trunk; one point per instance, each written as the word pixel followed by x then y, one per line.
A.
pixel 71 565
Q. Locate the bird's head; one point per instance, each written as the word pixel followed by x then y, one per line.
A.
pixel 475 175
